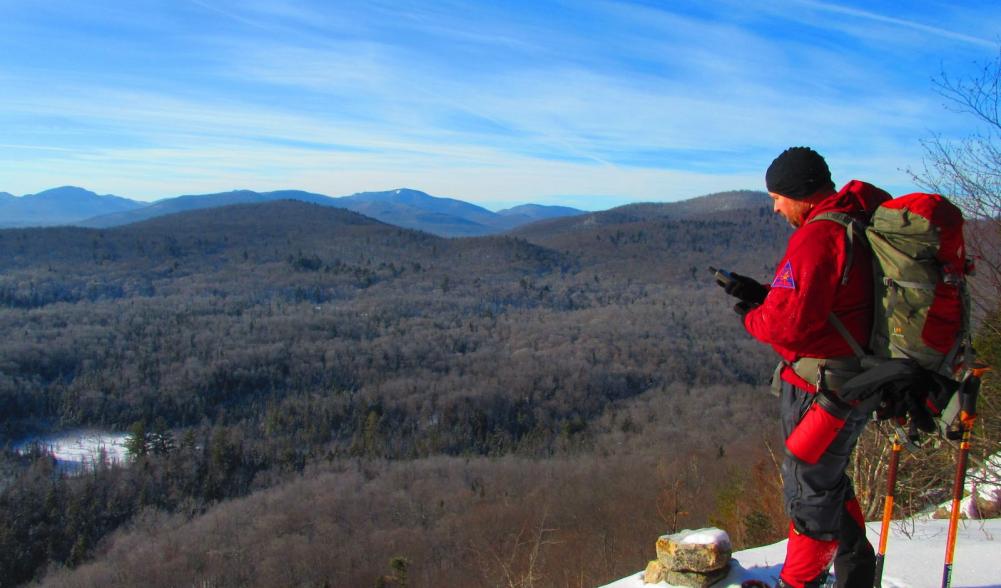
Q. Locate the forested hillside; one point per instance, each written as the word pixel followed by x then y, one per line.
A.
pixel 244 345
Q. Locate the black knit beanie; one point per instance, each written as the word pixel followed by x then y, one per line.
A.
pixel 797 173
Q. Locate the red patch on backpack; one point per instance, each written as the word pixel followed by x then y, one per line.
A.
pixel 784 278
pixel 945 316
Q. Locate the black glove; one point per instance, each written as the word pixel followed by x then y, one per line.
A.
pixel 908 393
pixel 745 288
pixel 917 409
pixel 742 308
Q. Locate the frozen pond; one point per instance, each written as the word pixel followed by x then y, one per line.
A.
pixel 81 448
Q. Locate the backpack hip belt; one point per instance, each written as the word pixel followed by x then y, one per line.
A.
pixel 828 373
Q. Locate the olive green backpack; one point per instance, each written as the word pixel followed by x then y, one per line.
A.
pixel 922 307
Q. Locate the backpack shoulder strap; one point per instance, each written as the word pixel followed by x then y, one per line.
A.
pixel 843 330
pixel 852 227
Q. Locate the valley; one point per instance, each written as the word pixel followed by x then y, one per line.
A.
pixel 269 342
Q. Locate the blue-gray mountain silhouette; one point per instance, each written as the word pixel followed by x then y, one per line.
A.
pixel 59 206
pixel 402 207
pixel 530 213
pixel 701 206
pixel 198 202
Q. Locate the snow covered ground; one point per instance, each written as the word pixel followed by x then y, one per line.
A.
pixel 78 449
pixel 915 555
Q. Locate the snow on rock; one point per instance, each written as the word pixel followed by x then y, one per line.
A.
pixel 915 556
pixel 983 493
pixel 710 536
pixel 702 550
pixel 984 486
pixel 691 558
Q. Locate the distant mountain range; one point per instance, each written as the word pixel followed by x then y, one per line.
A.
pixel 721 203
pixel 60 206
pixel 669 238
pixel 403 207
pixel 197 202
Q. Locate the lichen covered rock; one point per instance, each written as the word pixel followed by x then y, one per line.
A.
pixel 654 573
pixel 702 550
pixel 695 579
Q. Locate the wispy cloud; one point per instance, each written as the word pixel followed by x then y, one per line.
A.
pixel 500 102
pixel 901 22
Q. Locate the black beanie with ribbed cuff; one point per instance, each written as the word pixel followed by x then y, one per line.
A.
pixel 798 173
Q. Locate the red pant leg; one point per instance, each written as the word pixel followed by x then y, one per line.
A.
pixel 807 560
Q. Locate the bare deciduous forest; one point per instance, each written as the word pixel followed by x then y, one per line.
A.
pixel 316 398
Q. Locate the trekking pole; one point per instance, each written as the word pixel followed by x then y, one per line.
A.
pixel 967 416
pixel 891 486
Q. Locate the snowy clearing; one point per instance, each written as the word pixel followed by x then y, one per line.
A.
pixel 79 449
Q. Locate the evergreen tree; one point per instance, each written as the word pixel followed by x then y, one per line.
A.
pixel 137 443
pixel 161 439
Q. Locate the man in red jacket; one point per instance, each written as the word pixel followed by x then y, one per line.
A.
pixel 824 272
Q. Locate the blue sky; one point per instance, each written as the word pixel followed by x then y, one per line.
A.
pixel 585 103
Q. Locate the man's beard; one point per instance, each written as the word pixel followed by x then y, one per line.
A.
pixel 791 222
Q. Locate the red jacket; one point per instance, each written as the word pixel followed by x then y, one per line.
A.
pixel 807 285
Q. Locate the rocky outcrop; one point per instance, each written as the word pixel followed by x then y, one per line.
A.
pixel 691 558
